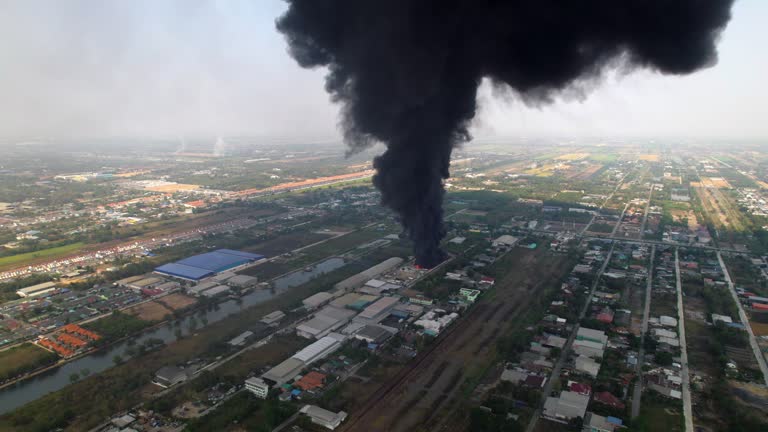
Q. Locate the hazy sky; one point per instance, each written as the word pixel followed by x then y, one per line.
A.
pixel 188 67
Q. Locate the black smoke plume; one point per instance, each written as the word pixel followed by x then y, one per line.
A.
pixel 407 71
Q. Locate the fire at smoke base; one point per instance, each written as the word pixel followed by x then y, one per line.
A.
pixel 406 72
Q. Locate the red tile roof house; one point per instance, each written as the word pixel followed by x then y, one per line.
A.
pixel 609 399
pixel 534 381
pixel 582 389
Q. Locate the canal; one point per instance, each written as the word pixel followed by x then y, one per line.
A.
pixel 28 390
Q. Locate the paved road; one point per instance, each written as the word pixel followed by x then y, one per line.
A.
pixel 621 219
pixel 638 389
pixel 645 215
pixel 686 385
pixel 547 390
pixel 745 321
pixel 586 227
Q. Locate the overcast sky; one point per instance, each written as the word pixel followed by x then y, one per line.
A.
pixel 189 68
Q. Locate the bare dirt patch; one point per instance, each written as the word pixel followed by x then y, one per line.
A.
pixel 649 157
pixel 149 311
pixel 177 301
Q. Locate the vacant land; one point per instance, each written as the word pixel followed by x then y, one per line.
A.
pixel 149 311
pixel 180 187
pixel 720 209
pixel 52 253
pixel 760 329
pixel 717 182
pixel 649 157
pixel 23 358
pixel 572 156
pixel 657 414
pixel 177 301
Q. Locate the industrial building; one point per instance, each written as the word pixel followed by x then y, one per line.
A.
pixel 220 289
pixel 241 338
pixel 358 280
pixel 284 372
pixel 317 300
pixel 320 349
pixel 257 386
pixel 272 318
pixel 37 290
pixel 199 288
pixel 147 282
pixel 198 267
pixel 325 321
pixel 169 376
pixel 323 417
pixel 568 406
pixel 377 311
pixel 242 281
pixel 373 334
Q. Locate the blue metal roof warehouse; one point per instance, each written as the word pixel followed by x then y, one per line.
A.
pixel 201 266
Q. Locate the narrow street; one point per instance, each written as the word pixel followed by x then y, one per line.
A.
pixel 568 344
pixel 638 389
pixel 743 317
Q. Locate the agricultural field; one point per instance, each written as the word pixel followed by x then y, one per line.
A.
pixel 29 257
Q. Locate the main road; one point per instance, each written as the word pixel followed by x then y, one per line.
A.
pixel 686 384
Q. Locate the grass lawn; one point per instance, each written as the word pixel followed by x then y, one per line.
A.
pixel 23 358
pixel 20 259
pixel 657 414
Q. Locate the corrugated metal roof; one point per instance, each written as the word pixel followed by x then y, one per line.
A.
pixel 184 271
pixel 379 306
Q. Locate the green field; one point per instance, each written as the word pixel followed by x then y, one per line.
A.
pixel 44 253
pixel 658 414
pixel 603 157
pixel 23 358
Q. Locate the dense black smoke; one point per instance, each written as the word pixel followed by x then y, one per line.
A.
pixel 407 71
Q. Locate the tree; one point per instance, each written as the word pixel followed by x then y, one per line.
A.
pixel 85 372
pixel 117 359
pixel 75 377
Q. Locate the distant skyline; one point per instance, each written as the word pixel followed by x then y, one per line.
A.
pixel 219 68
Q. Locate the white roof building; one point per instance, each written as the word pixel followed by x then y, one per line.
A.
pixel 325 321
pixel 320 349
pixel 568 406
pixel 323 417
pixel 317 300
pixel 505 240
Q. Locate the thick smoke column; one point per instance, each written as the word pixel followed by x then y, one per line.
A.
pixel 407 71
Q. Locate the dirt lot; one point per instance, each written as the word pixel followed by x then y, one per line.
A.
pixel 174 188
pixel 760 329
pixel 720 209
pixel 717 182
pixel 649 157
pixel 585 173
pixel 177 301
pixel 149 311
pixel 572 156
pixel 432 387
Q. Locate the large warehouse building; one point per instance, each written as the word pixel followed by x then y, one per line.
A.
pixel 208 264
